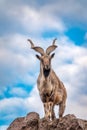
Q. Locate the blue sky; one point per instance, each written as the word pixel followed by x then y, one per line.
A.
pixel 41 21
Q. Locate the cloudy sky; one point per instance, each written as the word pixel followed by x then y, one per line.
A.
pixel 41 21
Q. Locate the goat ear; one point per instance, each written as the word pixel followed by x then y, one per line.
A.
pixel 38 57
pixel 52 55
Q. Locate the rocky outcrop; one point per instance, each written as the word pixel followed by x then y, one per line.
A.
pixel 33 122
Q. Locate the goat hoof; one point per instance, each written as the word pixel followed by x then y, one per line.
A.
pixel 60 118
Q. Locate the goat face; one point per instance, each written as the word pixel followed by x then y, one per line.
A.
pixel 45 57
pixel 46 63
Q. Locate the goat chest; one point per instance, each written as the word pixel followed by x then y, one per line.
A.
pixel 45 88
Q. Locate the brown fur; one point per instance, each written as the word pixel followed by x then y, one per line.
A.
pixel 51 89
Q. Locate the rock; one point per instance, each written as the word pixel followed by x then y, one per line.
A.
pixel 17 124
pixel 33 122
pixel 25 123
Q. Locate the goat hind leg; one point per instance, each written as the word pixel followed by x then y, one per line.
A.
pixel 61 109
pixel 53 113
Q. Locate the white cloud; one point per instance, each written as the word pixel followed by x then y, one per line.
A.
pixel 69 10
pixel 11 108
pixel 36 18
pixel 78 108
pixel 10 103
pixel 34 103
pixel 18 92
pixel 16 60
pixel 68 63
pixel 3 127
pixel 35 21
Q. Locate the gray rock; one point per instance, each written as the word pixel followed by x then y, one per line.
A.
pixel 33 122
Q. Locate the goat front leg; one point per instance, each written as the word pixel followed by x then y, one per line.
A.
pixel 51 112
pixel 48 108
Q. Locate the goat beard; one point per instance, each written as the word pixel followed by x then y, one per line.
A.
pixel 46 72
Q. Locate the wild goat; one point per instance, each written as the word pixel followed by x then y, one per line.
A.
pixel 51 89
